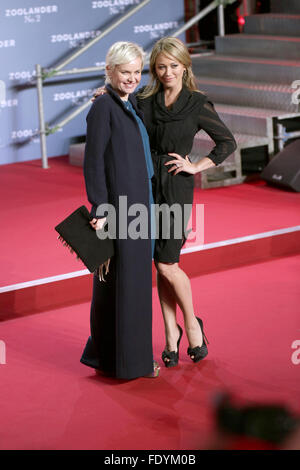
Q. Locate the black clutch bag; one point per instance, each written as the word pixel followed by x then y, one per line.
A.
pixel 76 233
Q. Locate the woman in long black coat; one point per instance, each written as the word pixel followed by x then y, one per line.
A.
pixel 118 163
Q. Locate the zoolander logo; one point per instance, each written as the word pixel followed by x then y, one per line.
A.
pixel 41 10
pixel 151 28
pixel 74 96
pixel 74 38
pixel 7 43
pixel 114 3
pixel 7 103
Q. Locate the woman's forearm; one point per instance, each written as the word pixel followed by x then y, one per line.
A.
pixel 204 164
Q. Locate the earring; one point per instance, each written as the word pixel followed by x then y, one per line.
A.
pixel 184 76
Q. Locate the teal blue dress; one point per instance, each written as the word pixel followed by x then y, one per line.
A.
pixel 149 165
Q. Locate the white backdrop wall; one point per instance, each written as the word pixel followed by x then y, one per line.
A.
pixel 39 32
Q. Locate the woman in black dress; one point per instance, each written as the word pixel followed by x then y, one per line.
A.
pixel 174 111
pixel 117 164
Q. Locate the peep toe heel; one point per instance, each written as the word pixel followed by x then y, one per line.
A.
pixel 170 358
pixel 199 352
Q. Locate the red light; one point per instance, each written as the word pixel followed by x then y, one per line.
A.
pixel 241 20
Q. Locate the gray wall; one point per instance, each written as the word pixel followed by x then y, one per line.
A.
pixel 36 31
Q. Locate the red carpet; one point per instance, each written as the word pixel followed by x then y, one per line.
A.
pixel 34 200
pixel 51 401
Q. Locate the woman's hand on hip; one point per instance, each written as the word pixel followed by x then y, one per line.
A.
pixel 98 224
pixel 181 164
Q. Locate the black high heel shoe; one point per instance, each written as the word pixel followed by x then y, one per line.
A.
pixel 172 356
pixel 199 352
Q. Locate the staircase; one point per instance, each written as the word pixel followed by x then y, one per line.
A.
pixel 249 78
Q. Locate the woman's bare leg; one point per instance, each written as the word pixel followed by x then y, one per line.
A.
pixel 178 291
pixel 168 306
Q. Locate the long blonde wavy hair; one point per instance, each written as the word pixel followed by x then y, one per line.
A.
pixel 175 48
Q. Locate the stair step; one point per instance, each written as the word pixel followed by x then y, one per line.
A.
pixel 273 24
pixel 228 173
pixel 245 120
pixel 251 45
pixel 218 177
pixel 243 141
pixel 203 145
pixel 252 112
pixel 249 94
pixel 246 68
pixel 285 6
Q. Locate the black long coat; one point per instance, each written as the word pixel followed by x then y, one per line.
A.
pixel 121 310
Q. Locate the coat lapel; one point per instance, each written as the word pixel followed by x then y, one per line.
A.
pixel 132 100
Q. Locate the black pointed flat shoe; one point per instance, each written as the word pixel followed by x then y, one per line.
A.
pixel 199 352
pixel 170 358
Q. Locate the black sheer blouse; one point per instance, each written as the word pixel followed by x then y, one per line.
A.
pixel 173 129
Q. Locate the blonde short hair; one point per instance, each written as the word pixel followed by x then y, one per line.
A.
pixel 123 52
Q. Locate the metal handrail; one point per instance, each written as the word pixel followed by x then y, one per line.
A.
pixel 93 41
pixel 81 70
pixel 43 74
pixel 216 3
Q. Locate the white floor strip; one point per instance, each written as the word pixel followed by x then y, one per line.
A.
pixel 191 249
pixel 247 238
pixel 45 280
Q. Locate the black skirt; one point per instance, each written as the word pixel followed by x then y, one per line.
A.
pixel 171 190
